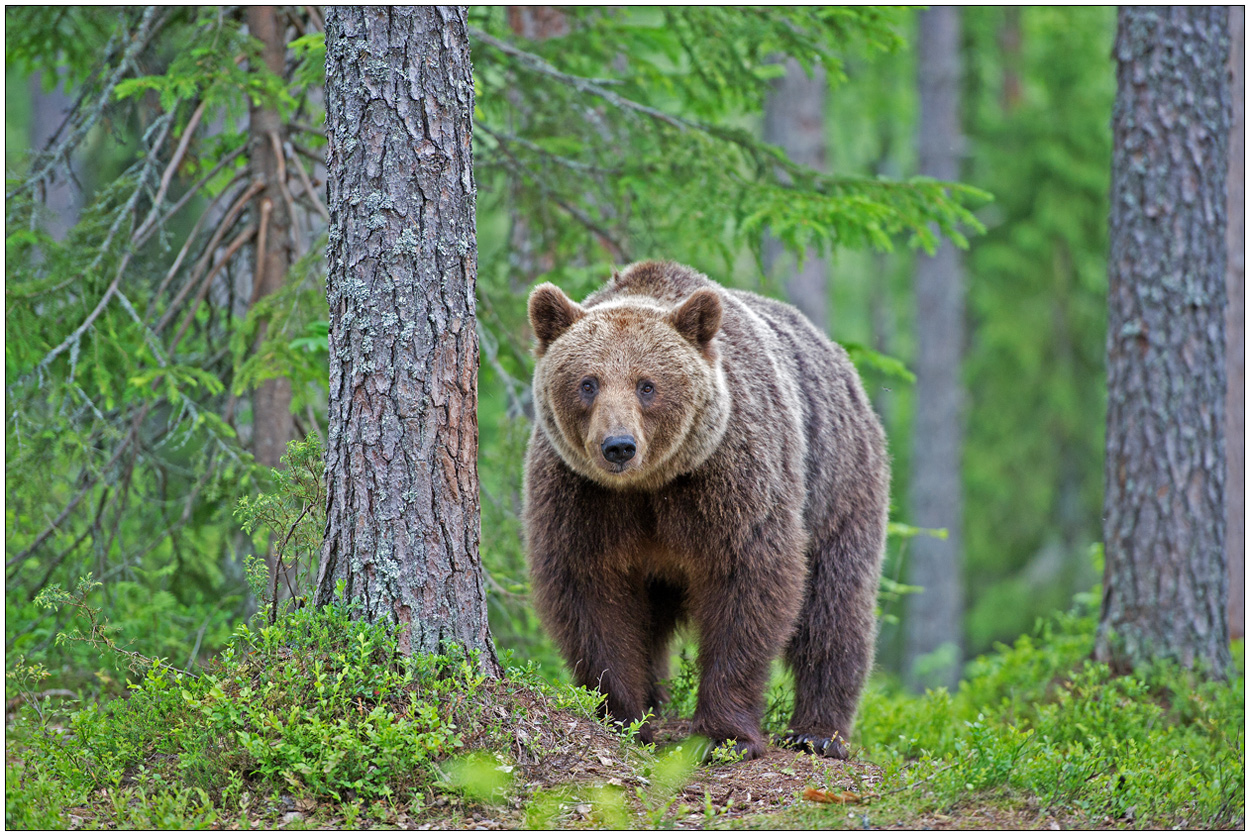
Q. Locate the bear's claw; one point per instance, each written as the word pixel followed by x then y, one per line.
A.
pixel 827 747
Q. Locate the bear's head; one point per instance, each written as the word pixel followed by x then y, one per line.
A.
pixel 630 391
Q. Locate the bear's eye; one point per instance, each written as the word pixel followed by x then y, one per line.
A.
pixel 589 386
pixel 646 389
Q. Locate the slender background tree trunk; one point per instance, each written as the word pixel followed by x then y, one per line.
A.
pixel 402 523
pixel 935 615
pixel 1165 588
pixel 794 119
pixel 1235 321
pixel 272 426
pixel 47 115
pixel 537 23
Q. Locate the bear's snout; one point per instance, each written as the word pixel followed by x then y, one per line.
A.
pixel 619 449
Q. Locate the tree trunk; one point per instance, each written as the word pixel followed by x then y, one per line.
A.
pixel 1235 321
pixel 48 110
pixel 403 518
pixel 272 426
pixel 537 23
pixel 933 627
pixel 1011 51
pixel 794 119
pixel 1165 587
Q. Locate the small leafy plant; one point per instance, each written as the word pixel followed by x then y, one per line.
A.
pixel 290 521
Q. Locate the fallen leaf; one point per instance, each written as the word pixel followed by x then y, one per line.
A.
pixel 826 797
pixel 605 761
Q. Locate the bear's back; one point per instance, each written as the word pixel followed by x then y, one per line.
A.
pixel 665 281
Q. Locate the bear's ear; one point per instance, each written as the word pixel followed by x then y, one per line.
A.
pixel 698 318
pixel 551 314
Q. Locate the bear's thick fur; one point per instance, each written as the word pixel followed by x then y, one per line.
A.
pixel 705 455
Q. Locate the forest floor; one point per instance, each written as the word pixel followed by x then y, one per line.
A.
pixel 783 789
pixel 306 725
pixel 569 771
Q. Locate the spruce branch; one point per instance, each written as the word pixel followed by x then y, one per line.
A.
pixel 151 23
pixel 165 123
pixel 595 87
pixel 223 228
pixel 619 251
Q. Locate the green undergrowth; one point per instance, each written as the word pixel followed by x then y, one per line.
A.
pixel 1038 733
pixel 315 709
pixel 318 713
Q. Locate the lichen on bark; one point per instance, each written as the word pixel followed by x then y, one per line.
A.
pixel 403 524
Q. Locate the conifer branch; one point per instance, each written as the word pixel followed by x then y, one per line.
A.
pixel 289 149
pixel 195 230
pixel 71 342
pixel 168 176
pixel 239 240
pixel 55 525
pixel 573 165
pixel 227 222
pixel 584 85
pixel 519 168
pixel 148 27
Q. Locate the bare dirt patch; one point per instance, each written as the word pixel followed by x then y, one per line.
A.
pixel 578 757
pixel 718 793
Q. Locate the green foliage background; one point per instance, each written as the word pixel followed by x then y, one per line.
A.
pixel 139 421
pixel 132 350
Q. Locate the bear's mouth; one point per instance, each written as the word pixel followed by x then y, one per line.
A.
pixel 618 469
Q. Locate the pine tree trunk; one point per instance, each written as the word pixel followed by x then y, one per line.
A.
pixel 403 517
pixel 794 119
pixel 1165 588
pixel 272 425
pixel 1235 320
pixel 934 616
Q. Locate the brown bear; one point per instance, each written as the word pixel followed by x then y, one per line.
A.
pixel 705 455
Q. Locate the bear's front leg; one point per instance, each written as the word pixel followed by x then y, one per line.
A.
pixel 579 538
pixel 745 612
pixel 599 625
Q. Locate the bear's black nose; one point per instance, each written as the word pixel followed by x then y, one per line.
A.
pixel 619 449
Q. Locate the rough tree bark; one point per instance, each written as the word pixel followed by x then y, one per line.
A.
pixel 403 517
pixel 272 425
pixel 794 119
pixel 935 615
pixel 1235 321
pixel 1165 588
